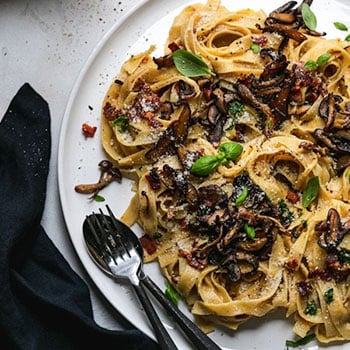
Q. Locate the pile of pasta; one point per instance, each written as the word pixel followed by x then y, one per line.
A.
pixel 239 241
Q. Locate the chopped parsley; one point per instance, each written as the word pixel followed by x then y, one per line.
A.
pixel 311 308
pixel 249 230
pixel 121 122
pixel 172 294
pixel 285 210
pixel 255 48
pixel 301 341
pixel 343 256
pixel 328 296
pixel 98 198
pixel 235 109
pixel 242 197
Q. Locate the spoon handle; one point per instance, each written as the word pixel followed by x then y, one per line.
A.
pixel 197 337
pixel 164 340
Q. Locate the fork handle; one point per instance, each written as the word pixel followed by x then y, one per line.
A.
pixel 163 337
pixel 194 333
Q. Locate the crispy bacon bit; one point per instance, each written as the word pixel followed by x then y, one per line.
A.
pixel 293 197
pixel 292 264
pixel 194 261
pixel 319 273
pixel 304 288
pixel 261 41
pixel 148 244
pixel 173 47
pixel 110 112
pixel 88 130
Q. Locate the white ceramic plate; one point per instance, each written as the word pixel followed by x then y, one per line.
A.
pixel 78 159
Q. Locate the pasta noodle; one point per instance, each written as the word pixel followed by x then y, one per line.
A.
pixel 266 228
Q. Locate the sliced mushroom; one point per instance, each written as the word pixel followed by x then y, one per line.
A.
pixel 328 110
pixel 333 231
pixel 108 174
pixel 172 137
pixel 334 141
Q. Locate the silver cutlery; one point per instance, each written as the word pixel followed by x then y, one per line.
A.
pixel 111 243
pixel 123 261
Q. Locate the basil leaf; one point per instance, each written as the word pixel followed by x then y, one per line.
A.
pixel 231 150
pixel 249 230
pixel 242 197
pixel 347 38
pixel 312 65
pixel 203 166
pixel 340 26
pixel 172 294
pixel 323 59
pixel 190 64
pixel 308 17
pixel 302 341
pixel 311 191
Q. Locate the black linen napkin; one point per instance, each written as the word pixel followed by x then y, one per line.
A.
pixel 43 303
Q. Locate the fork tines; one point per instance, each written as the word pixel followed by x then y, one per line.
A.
pixel 105 230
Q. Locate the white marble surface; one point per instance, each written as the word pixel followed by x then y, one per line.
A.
pixel 46 43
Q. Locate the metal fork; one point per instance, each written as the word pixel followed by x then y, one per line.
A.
pixel 125 263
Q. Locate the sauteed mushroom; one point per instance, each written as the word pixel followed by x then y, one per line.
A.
pixel 108 174
pixel 332 230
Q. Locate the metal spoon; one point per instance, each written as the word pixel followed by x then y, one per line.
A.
pixel 194 333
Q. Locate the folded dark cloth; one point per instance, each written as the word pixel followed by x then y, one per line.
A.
pixel 44 304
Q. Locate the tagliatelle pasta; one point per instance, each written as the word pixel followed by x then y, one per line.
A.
pixel 268 227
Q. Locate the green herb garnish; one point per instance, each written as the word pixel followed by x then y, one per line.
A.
pixel 328 296
pixel 308 17
pixel 157 235
pixel 255 48
pixel 242 197
pixel 340 26
pixel 343 256
pixel 121 122
pixel 304 223
pixel 321 61
pixel 285 210
pixel 190 64
pixel 172 294
pixel 312 65
pixel 347 38
pixel 99 198
pixel 302 341
pixel 235 108
pixel 311 308
pixel 249 230
pixel 206 164
pixel 311 191
pixel 229 151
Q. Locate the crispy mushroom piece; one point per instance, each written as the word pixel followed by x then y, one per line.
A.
pixel 328 109
pixel 164 61
pixel 172 137
pixel 336 142
pixel 332 230
pixel 176 181
pixel 247 96
pixel 108 174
